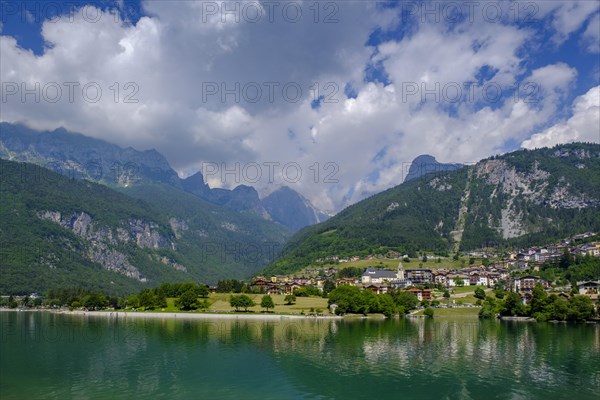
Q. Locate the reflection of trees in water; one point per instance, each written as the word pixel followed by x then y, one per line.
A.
pixel 333 358
pixel 466 356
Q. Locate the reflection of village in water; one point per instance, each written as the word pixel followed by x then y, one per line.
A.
pixel 335 354
pixel 406 346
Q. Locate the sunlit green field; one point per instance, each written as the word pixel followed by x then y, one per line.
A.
pixel 219 302
pixel 465 289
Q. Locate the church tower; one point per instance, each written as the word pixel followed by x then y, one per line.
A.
pixel 400 273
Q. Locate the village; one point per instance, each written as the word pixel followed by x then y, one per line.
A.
pixel 514 272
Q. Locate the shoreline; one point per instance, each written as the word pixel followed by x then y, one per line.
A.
pixel 177 315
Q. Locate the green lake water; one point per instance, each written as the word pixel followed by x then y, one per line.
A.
pixel 52 356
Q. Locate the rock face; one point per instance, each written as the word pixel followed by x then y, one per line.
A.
pixel 525 191
pixel 284 205
pixel 426 164
pixel 195 184
pixel 523 198
pixel 289 208
pixel 101 241
pixel 79 156
pixel 70 232
pixel 534 186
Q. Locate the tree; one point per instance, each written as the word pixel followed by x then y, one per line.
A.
pixel 424 258
pixel 168 290
pixel 267 302
pixel 235 302
pixel 566 260
pixel 241 301
pixel 428 312
pixel 328 286
pixel 230 285
pixel 459 282
pixel 581 308
pixel 188 300
pixel 574 290
pixel 289 299
pixel 406 300
pixel 538 300
pixel 185 287
pixel 368 302
pixel 386 305
pixel 512 305
pixel 94 301
pixel 133 301
pixel 479 293
pixel 347 298
pixel 203 305
pixel 489 309
pixel 557 308
pixel 203 291
pixel 12 303
pixel 148 299
pixel 307 291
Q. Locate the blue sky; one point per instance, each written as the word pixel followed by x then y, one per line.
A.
pixel 367 86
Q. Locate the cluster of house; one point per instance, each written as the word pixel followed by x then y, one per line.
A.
pixel 524 286
pixel 415 279
pixel 383 281
pixel 281 284
pixel 535 256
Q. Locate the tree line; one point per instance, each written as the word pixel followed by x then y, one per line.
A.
pixel 541 306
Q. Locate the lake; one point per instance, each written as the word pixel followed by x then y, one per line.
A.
pixel 58 356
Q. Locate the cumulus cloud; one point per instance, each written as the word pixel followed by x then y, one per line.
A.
pixel 182 80
pixel 565 17
pixel 583 126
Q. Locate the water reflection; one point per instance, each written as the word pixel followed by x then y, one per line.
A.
pixel 94 357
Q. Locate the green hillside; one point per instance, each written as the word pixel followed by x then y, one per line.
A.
pixel 56 232
pixel 520 198
pixel 218 242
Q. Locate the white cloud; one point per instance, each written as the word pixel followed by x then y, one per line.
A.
pixel 591 36
pixel 366 143
pixel 583 126
pixel 566 17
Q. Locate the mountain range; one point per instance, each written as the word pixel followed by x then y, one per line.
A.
pixel 522 198
pixel 78 211
pixel 56 231
pixel 79 156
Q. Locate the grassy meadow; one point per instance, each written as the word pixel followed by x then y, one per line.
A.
pixel 219 302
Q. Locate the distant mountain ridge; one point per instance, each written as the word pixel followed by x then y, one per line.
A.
pixel 58 232
pixel 79 156
pixel 426 164
pixel 279 203
pixel 517 199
